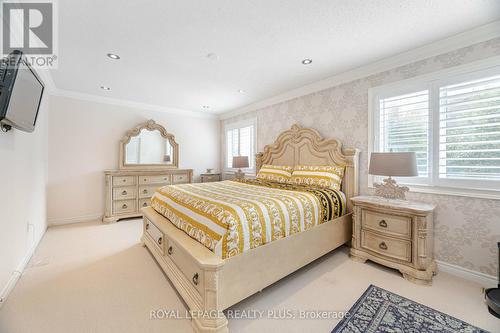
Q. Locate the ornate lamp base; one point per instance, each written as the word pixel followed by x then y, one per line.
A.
pixel 239 174
pixel 390 189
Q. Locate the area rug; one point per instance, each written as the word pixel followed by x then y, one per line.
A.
pixel 379 310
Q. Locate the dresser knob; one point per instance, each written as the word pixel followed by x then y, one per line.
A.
pixel 145 204
pixel 124 206
pixel 383 246
pixel 170 250
pixel 160 240
pixel 147 226
pixel 145 180
pixel 383 224
pixel 195 279
pixel 124 193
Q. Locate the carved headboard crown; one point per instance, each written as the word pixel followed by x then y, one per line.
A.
pixel 305 146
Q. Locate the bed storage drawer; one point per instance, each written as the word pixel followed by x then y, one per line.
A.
pixel 156 235
pixel 163 179
pixel 386 246
pixel 124 206
pixel 186 265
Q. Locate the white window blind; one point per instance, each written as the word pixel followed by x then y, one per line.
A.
pixel 469 130
pixel 404 126
pixel 240 142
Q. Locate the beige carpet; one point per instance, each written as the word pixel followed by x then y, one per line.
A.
pixel 92 277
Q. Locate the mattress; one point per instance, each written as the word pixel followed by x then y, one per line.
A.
pixel 231 217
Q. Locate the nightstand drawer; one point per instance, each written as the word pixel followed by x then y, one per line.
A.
pixel 390 247
pixel 386 223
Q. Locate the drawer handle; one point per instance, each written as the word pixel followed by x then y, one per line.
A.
pixel 145 191
pixel 145 204
pixel 383 224
pixel 170 250
pixel 383 246
pixel 147 226
pixel 124 193
pixel 124 180
pixel 124 206
pixel 160 240
pixel 195 279
pixel 145 180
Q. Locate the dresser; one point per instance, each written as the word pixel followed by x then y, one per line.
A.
pixel 396 234
pixel 210 177
pixel 127 191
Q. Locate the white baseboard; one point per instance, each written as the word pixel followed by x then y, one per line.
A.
pixel 76 219
pixel 19 271
pixel 484 280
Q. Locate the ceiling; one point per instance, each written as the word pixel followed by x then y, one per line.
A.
pixel 259 44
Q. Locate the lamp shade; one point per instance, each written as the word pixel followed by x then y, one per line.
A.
pixel 240 162
pixel 393 164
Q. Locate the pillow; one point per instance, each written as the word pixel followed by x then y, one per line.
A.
pixel 325 176
pixel 275 173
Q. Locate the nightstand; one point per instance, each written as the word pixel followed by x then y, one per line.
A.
pixel 210 177
pixel 396 234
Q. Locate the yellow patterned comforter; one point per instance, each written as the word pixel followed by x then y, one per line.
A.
pixel 232 217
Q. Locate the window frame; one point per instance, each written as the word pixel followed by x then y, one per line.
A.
pixel 432 82
pixel 238 125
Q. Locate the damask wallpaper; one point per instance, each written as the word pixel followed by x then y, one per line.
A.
pixel 466 229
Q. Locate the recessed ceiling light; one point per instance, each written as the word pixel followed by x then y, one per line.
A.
pixel 113 56
pixel 105 88
pixel 241 91
pixel 212 56
pixel 306 61
pixel 206 107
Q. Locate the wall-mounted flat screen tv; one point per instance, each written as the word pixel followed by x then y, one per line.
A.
pixel 21 93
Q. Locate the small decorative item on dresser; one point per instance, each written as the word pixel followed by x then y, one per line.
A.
pixel 392 164
pixel 396 234
pixel 240 162
pixel 210 170
pixel 210 177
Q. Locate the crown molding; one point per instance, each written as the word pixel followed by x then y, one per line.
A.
pixel 470 37
pixel 129 104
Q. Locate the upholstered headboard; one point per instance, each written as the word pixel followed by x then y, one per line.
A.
pixel 305 146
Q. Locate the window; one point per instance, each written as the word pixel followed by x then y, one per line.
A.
pixel 450 120
pixel 240 141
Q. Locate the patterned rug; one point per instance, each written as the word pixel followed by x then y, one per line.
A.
pixel 379 310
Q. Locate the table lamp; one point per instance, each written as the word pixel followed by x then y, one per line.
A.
pixel 240 162
pixel 392 164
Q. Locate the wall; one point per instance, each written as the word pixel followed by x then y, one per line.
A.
pixel 466 229
pixel 83 142
pixel 23 172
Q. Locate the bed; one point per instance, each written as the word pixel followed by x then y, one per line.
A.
pixel 211 275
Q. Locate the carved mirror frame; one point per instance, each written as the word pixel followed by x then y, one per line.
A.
pixel 150 125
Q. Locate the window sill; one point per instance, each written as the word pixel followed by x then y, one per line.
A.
pixel 460 192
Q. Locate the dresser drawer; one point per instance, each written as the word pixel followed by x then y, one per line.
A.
pixel 147 191
pixel 191 271
pixel 386 223
pixel 124 181
pixel 144 180
pixel 122 193
pixel 156 235
pixel 144 202
pixel 180 178
pixel 387 246
pixel 124 206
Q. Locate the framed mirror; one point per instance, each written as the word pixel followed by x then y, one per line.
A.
pixel 148 146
